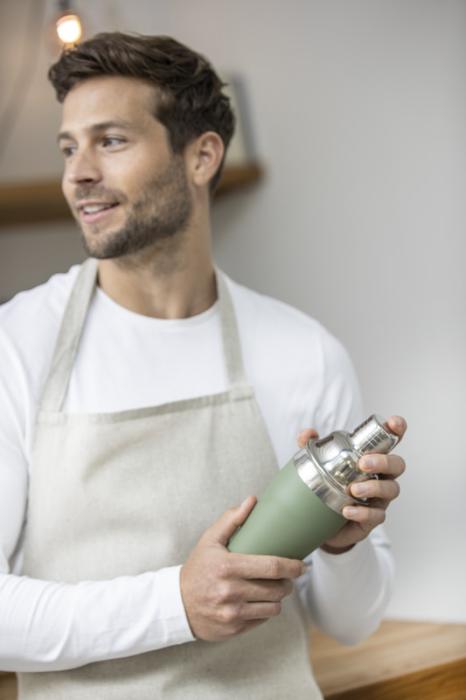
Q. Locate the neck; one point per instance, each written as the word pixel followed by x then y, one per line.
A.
pixel 172 279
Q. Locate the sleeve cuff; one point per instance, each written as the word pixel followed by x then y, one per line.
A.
pixel 177 629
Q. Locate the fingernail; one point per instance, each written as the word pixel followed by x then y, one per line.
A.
pixel 350 512
pixel 368 463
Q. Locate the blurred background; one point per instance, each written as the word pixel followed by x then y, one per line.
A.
pixel 355 113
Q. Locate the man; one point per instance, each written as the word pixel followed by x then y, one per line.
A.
pixel 143 395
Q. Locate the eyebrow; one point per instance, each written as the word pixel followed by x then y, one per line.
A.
pixel 96 128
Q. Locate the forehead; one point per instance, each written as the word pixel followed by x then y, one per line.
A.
pixel 109 99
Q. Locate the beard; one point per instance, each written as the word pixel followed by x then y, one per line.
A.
pixel 163 210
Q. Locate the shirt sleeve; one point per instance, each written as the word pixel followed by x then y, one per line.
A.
pixel 346 594
pixel 49 626
pixel 340 404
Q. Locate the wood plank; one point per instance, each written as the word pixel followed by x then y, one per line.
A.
pixel 398 648
pixel 42 201
pixel 7 686
pixel 445 682
pixel 237 177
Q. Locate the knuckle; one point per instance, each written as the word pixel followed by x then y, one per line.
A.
pixel 274 567
pixel 223 593
pixel 223 615
pixel 384 462
pixel 379 516
pixel 367 514
pixel 229 614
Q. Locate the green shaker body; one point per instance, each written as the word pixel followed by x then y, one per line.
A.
pixel 289 520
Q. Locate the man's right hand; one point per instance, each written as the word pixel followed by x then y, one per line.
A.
pixel 225 593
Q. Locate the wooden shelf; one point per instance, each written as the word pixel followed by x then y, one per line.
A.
pixel 238 177
pixel 401 661
pixel 8 688
pixel 42 201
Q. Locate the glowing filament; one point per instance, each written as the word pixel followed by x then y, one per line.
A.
pixel 69 29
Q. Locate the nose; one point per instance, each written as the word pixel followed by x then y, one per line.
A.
pixel 83 167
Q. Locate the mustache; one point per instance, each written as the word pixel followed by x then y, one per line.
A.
pixel 92 192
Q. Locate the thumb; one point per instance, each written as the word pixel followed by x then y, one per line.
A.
pixel 224 528
pixel 306 435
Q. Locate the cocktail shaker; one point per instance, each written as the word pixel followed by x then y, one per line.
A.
pixel 301 507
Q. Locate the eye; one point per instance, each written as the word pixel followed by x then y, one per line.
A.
pixel 67 151
pixel 110 141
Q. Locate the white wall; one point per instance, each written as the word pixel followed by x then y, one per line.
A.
pixel 359 107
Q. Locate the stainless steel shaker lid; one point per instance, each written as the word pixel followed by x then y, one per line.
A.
pixel 336 456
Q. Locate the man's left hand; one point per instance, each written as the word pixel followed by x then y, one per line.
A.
pixel 381 492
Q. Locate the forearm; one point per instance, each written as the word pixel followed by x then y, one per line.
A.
pixel 47 626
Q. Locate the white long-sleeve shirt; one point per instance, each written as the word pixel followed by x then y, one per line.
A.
pixel 302 377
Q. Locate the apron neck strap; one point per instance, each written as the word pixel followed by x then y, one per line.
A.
pixel 230 334
pixel 56 385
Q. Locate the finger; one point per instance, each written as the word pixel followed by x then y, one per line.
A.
pixel 266 591
pixel 306 435
pixel 261 566
pixel 373 488
pixel 364 515
pixel 397 425
pixel 223 529
pixel 391 466
pixel 260 611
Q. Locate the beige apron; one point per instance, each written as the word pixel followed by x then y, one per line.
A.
pixel 123 493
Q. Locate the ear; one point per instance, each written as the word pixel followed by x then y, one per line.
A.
pixel 204 156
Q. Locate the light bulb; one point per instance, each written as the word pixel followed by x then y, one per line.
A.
pixel 69 28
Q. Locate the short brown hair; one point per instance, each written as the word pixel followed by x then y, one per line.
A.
pixel 190 92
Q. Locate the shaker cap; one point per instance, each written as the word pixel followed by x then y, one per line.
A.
pixel 373 436
pixel 329 465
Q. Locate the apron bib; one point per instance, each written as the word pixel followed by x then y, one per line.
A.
pixel 124 493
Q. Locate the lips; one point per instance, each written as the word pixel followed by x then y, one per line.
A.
pixel 93 208
pixel 95 211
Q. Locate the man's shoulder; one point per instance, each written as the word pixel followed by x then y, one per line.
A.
pixel 32 317
pixel 273 320
pixel 309 368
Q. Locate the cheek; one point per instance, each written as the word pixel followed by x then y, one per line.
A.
pixel 67 190
pixel 130 176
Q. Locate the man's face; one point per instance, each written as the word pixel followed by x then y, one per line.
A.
pixel 125 187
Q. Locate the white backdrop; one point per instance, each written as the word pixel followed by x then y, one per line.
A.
pixel 359 110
